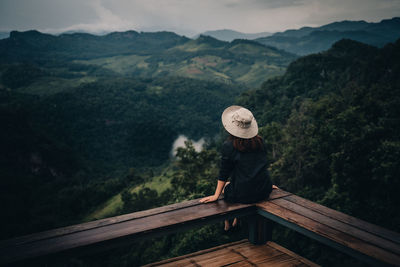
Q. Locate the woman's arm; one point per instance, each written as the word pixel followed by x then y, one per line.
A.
pixel 218 190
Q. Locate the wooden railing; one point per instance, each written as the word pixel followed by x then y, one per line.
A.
pixel 369 243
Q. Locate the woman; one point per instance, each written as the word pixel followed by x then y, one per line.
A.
pixel 243 160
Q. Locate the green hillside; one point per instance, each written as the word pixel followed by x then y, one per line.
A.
pixel 147 55
pixel 239 62
pixel 114 205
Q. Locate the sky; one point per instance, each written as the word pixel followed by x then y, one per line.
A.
pixel 187 17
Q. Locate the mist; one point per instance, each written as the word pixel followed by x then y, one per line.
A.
pixel 180 142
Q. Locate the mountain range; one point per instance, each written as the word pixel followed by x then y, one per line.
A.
pixel 230 35
pixel 308 40
pixel 151 55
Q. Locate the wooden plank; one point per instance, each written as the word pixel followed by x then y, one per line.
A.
pixel 240 253
pixel 280 262
pixel 297 221
pixel 124 230
pixel 195 253
pixel 243 263
pixel 254 252
pixel 338 225
pixel 278 193
pixel 369 227
pixel 217 258
pixel 292 254
pixel 271 254
pixel 98 223
pixel 276 260
pixel 183 262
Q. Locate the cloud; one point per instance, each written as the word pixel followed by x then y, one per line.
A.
pixel 180 142
pixel 41 14
pixel 323 12
pixel 104 20
pixel 187 16
pixel 262 4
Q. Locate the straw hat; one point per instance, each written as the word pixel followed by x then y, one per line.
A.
pixel 239 122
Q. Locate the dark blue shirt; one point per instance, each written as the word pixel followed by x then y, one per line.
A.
pixel 250 181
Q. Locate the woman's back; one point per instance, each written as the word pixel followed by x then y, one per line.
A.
pixel 250 181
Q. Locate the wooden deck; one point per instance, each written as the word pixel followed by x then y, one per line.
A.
pixel 241 253
pixel 367 242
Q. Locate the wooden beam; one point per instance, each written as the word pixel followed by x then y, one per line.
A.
pixel 337 215
pixel 367 242
pixel 314 227
pixel 120 231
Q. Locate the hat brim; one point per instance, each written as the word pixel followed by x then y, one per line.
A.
pixel 233 129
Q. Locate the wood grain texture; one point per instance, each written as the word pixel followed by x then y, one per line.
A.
pixel 278 193
pixel 290 253
pixel 339 225
pixel 98 223
pixel 342 231
pixel 337 215
pixel 138 224
pixel 113 220
pixel 346 239
pixel 241 253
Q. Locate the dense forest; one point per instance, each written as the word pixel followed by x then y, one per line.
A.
pixel 69 151
pixel 332 125
pixel 82 113
pixel 80 138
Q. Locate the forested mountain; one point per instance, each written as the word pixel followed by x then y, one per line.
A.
pixel 36 47
pixel 230 35
pixel 150 55
pixel 332 129
pixel 72 132
pixel 80 111
pixel 55 144
pixel 86 119
pixel 308 40
pixel 332 126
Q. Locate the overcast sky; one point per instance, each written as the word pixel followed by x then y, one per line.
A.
pixel 187 17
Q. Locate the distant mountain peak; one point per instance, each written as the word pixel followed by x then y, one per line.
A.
pixel 348 45
pixel 126 34
pixel 308 40
pixel 205 39
pixel 230 35
pixel 14 34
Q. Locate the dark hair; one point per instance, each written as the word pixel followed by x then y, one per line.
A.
pixel 247 145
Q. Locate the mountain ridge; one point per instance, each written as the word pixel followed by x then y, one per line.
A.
pixel 305 41
pixel 230 35
pixel 150 55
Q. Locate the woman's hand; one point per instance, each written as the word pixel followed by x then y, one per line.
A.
pixel 209 199
pixel 218 190
pixel 274 187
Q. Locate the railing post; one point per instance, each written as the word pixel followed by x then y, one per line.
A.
pixel 260 229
